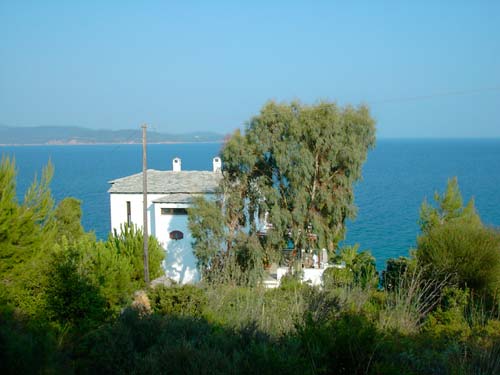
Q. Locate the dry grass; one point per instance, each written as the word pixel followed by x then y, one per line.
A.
pixel 410 302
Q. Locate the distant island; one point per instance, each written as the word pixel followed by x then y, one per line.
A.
pixel 70 135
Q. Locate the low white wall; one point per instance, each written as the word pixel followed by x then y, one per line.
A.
pixel 312 276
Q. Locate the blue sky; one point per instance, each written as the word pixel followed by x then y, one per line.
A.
pixel 426 68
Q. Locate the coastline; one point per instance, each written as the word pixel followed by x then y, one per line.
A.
pixel 105 143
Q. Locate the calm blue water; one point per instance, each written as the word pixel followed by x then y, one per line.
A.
pixel 397 177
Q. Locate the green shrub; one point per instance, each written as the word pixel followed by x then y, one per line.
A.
pixel 337 277
pixel 291 281
pixel 448 320
pixel 187 300
pixel 467 255
pixel 180 345
pixel 359 268
pixel 348 345
pixel 72 299
pixel 26 347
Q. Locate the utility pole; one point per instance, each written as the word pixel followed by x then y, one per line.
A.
pixel 145 234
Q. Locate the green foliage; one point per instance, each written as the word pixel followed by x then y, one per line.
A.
pixel 113 274
pixel 299 163
pixel 52 270
pixel 128 242
pixel 106 269
pixel 296 164
pixel 275 312
pixel 206 225
pixel 449 319
pixel 68 215
pixel 456 246
pixel 291 281
pixel 334 277
pixel 241 261
pixel 249 256
pixel 187 300
pixel 296 330
pixel 348 345
pixel 395 270
pixel 410 301
pixel 467 255
pixel 25 229
pixel 72 299
pixel 449 209
pixel 26 347
pixel 358 268
pixel 27 233
pixel 175 345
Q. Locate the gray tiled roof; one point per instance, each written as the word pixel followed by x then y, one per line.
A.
pixel 176 198
pixel 165 182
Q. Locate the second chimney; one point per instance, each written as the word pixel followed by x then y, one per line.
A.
pixel 217 164
pixel 176 165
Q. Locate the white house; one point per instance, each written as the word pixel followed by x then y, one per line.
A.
pixel 169 194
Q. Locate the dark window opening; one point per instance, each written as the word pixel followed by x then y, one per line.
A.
pixel 176 235
pixel 173 211
pixel 129 213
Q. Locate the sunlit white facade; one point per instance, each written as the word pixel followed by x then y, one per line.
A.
pixel 170 193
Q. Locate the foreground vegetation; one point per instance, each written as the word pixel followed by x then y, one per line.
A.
pixel 292 330
pixel 67 303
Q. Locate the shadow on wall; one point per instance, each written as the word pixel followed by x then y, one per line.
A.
pixel 152 218
pixel 180 262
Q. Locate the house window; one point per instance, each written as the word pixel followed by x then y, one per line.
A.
pixel 176 235
pixel 129 213
pixel 173 211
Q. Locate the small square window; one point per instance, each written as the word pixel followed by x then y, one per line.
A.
pixel 173 211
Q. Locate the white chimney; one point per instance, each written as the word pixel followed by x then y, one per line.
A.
pixel 176 165
pixel 217 164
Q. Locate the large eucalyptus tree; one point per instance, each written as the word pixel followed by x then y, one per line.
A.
pixel 297 165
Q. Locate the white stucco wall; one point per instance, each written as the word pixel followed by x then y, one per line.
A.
pixel 118 205
pixel 180 262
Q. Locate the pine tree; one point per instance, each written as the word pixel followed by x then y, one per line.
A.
pixel 449 208
pixel 27 228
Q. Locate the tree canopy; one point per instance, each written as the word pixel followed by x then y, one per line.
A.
pixel 449 208
pixel 293 169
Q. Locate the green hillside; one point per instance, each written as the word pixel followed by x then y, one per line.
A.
pixel 78 135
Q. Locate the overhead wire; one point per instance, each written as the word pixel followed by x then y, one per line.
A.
pixel 436 95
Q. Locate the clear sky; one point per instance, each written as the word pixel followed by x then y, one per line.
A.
pixel 426 68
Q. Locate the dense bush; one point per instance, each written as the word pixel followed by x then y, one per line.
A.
pixel 72 299
pixel 26 347
pixel 357 268
pixel 187 300
pixel 180 345
pixel 467 255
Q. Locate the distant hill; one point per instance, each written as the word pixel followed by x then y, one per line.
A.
pixel 47 135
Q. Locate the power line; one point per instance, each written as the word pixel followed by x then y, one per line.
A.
pixel 436 95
